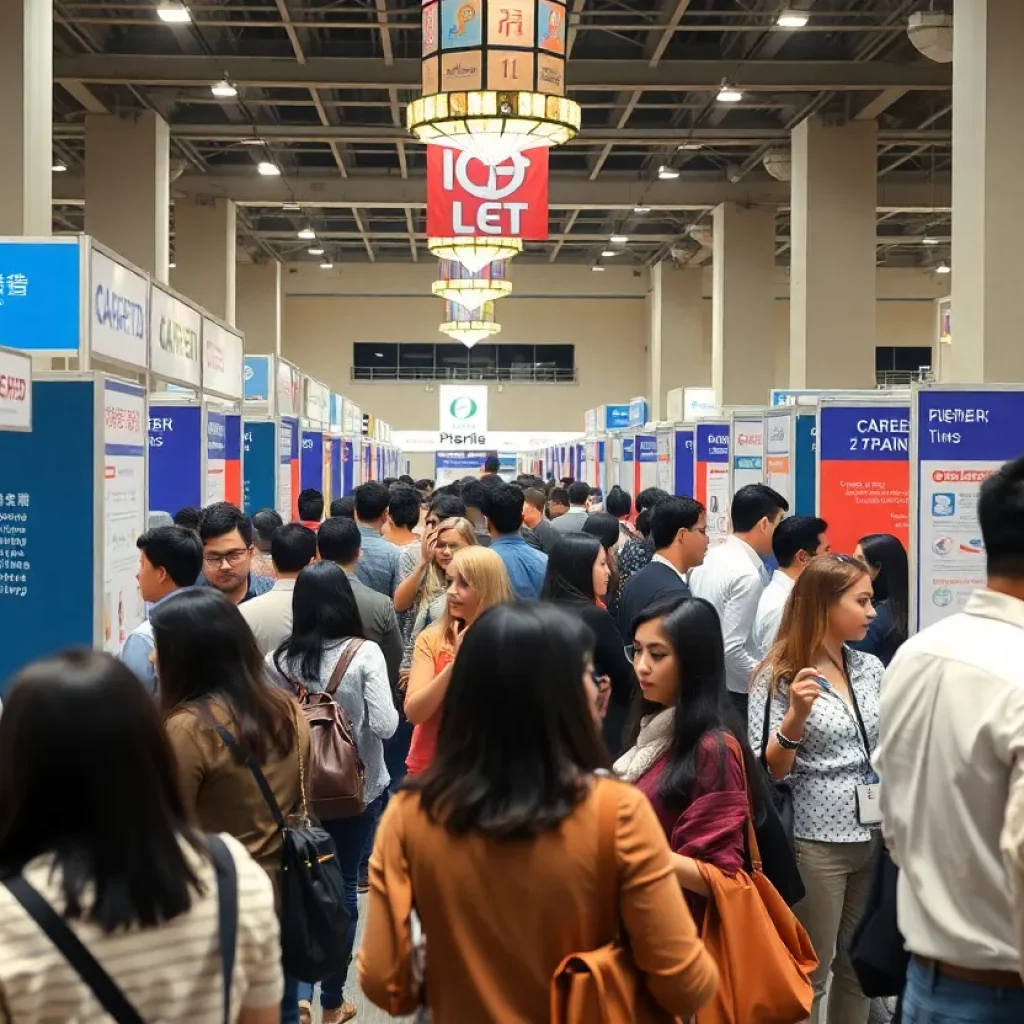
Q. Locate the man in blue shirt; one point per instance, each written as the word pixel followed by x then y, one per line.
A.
pixel 378 568
pixel 170 559
pixel 503 507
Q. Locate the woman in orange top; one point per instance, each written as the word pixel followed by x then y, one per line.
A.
pixel 477 580
pixel 497 845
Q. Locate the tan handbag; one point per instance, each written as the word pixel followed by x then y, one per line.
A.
pixel 603 986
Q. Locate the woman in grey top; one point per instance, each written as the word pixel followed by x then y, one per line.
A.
pixel 325 621
pixel 822 733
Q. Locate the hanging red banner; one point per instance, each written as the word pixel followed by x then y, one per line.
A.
pixel 467 198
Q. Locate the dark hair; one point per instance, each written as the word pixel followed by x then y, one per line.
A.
pixel 605 527
pixel 87 773
pixel 559 495
pixel 293 547
pixel 649 497
pixel 425 484
pixel 534 496
pixel 264 523
pixel 311 505
pixel 578 493
pixel 205 649
pixel 513 757
pixel 404 507
pixel 618 502
pixel 345 507
pixel 389 481
pixel 372 500
pixel 339 540
pixel 474 493
pixel 694 632
pixel 221 518
pixel 188 517
pixel 448 506
pixel 1001 512
pixel 492 464
pixel 796 534
pixel 504 507
pixel 323 610
pixel 175 549
pixel 670 516
pixel 407 480
pixel 753 503
pixel 570 571
pixel 566 481
pixel 887 557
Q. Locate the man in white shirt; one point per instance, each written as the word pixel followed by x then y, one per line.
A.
pixel 573 520
pixel 951 759
pixel 733 577
pixel 292 548
pixel 796 541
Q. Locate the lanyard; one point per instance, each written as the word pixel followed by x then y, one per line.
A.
pixel 856 708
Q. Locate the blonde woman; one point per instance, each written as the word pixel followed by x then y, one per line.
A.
pixel 477 580
pixel 822 732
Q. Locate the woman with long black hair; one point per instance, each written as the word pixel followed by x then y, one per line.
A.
pixel 688 753
pixel 887 558
pixel 92 820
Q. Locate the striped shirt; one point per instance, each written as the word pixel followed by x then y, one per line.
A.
pixel 171 973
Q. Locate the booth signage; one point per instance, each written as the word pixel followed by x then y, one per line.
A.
pixel 175 454
pixel 222 361
pixel 778 460
pixel 40 296
pixel 313 473
pixel 712 477
pixel 337 416
pixel 288 389
pixel 616 417
pixel 682 441
pixel 174 340
pixel 863 472
pixel 216 455
pixel 15 390
pixel 259 467
pixel 748 452
pixel 288 469
pixel 806 486
pixel 119 311
pixel 316 401
pixel 467 198
pixel 637 412
pixel 960 438
pixel 233 458
pixel 699 403
pixel 256 375
pixel 463 414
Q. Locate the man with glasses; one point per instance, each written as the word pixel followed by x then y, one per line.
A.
pixel 226 533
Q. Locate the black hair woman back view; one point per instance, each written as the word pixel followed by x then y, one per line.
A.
pixel 91 817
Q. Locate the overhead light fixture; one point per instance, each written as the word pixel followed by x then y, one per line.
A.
pixel 468 327
pixel 471 291
pixel 597 268
pixel 475 253
pixel 307 234
pixel 727 94
pixel 667 173
pixel 327 265
pixel 315 251
pixel 928 240
pixel 252 142
pixel 619 239
pixel 290 206
pixel 641 210
pixel 691 146
pixel 611 252
pixel 171 266
pixel 58 166
pixel 174 14
pixel 223 90
pixel 790 18
pixel 943 268
pixel 268 170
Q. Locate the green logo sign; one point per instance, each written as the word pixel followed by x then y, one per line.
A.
pixel 464 408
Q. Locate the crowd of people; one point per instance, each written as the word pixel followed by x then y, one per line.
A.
pixel 580 737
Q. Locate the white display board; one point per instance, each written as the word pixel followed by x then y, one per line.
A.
pixel 175 346
pixel 316 401
pixel 698 403
pixel 222 361
pixel 747 450
pixel 288 389
pixel 778 458
pixel 15 390
pixel 118 311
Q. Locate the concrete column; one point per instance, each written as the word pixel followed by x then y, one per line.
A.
pixel 743 297
pixel 204 254
pixel 128 187
pixel 26 117
pixel 832 279
pixel 988 199
pixel 655 388
pixel 259 306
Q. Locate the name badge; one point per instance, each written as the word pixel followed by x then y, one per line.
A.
pixel 869 808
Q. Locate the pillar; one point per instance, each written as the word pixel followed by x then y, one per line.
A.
pixel 655 388
pixel 259 306
pixel 204 253
pixel 832 268
pixel 26 117
pixel 128 187
pixel 742 304
pixel 679 343
pixel 988 201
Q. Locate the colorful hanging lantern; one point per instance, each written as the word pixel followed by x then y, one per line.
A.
pixel 457 284
pixel 469 327
pixel 475 253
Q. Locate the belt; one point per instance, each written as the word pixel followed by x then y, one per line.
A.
pixel 987 979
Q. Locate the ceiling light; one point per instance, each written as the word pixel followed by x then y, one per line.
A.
pixel 692 146
pixel 467 327
pixel 290 206
pixel 252 142
pixel 327 265
pixel 619 239
pixel 641 210
pixel 597 269
pixel 667 173
pixel 475 253
pixel 173 14
pixel 727 94
pixel 471 291
pixel 610 252
pixel 315 251
pixel 223 90
pixel 790 18
pixel 171 266
pixel 58 166
pixel 268 170
pixel 943 268
pixel 928 240
pixel 307 234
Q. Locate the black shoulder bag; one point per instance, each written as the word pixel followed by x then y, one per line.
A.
pixel 107 992
pixel 314 917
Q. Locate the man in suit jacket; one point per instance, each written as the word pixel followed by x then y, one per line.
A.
pixel 339 540
pixel 680 536
pixel 537 530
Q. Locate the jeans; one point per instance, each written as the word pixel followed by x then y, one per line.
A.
pixel 396 750
pixel 931 998
pixel 290 1002
pixel 349 835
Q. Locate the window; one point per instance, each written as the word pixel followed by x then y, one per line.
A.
pixel 417 358
pixel 373 360
pixel 454 358
pixel 483 360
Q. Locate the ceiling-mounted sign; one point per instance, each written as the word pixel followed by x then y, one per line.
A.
pixel 174 340
pixel 463 413
pixel 467 198
pixel 222 360
pixel 119 310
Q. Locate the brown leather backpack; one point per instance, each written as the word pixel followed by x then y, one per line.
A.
pixel 337 774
